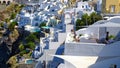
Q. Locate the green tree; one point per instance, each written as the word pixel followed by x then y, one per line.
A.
pixel 79 24
pixel 7 20
pixel 85 18
pixel 23 52
pixel 31 37
pixel 42 24
pixel 98 17
pixel 95 17
pixel 89 20
pixel 78 21
pixel 18 7
pixel 30 45
pixel 37 34
pixel 12 25
pixel 1 24
pixel 13 15
pixel 21 47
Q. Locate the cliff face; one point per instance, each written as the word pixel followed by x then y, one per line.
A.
pixel 8 41
pixel 4 55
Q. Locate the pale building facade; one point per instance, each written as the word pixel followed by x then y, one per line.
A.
pixel 20 1
pixel 111 6
pixel 6 1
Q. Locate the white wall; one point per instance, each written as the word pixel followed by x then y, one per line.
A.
pixel 83 5
pixel 100 32
pixel 107 54
pixel 93 49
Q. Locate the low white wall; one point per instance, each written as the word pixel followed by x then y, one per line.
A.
pixel 92 49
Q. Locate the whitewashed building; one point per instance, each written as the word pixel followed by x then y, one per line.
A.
pixel 6 1
pixel 83 6
pixel 88 53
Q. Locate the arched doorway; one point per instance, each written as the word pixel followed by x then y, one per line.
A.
pixel 4 2
pixel 68 15
pixel 8 2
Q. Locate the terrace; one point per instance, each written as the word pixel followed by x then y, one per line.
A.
pixel 96 32
pixel 93 54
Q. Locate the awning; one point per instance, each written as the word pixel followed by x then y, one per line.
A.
pixel 79 61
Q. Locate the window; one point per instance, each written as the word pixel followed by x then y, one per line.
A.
pixel 53 10
pixel 112 8
pixel 82 6
pixel 4 2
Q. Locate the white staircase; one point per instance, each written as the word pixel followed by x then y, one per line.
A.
pixel 54 45
pixel 61 36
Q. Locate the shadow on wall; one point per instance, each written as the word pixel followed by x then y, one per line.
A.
pixel 5 2
pixel 117 37
pixel 59 51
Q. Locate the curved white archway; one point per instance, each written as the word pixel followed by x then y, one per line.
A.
pixel 4 2
pixel 8 2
